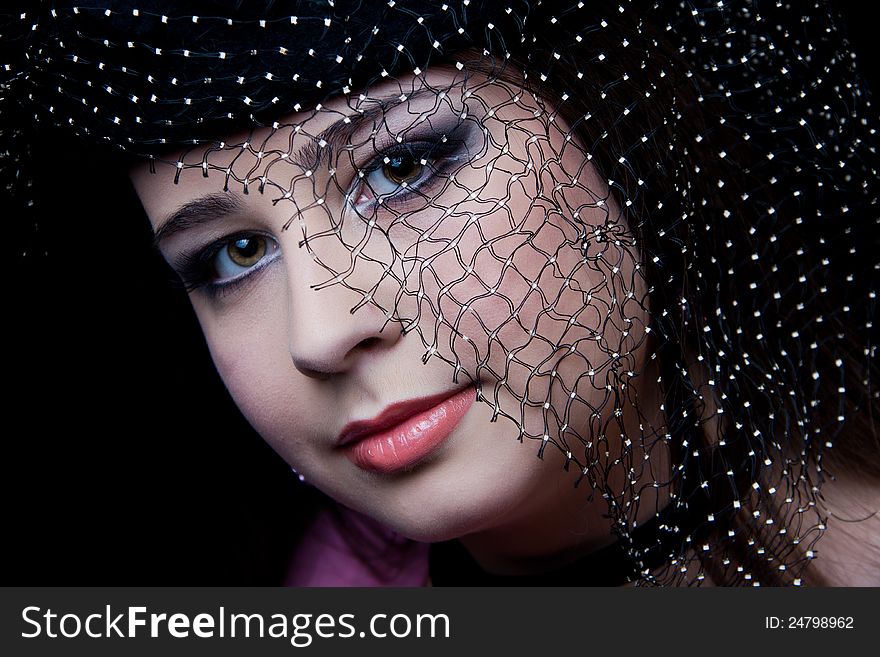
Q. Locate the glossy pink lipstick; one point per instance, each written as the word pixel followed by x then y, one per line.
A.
pixel 404 433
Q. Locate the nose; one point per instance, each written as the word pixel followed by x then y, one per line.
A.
pixel 324 336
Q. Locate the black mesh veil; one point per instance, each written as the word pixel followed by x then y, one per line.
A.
pixel 646 232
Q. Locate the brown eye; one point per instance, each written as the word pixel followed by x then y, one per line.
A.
pixel 240 255
pixel 402 169
pixel 392 179
pixel 247 251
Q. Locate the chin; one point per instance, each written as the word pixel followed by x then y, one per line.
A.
pixel 439 515
pixel 428 530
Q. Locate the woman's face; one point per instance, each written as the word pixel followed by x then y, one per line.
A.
pixel 458 209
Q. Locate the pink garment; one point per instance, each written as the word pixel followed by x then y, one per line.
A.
pixel 346 548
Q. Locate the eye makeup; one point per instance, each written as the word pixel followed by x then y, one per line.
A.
pixel 400 172
pixel 201 269
pixel 403 174
pixel 390 173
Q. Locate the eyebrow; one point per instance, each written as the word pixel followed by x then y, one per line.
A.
pixel 214 206
pixel 196 212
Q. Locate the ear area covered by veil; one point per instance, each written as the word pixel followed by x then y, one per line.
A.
pixel 647 231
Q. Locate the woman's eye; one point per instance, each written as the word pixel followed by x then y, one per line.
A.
pixel 240 255
pixel 396 172
pixel 393 176
pixel 402 169
pixel 405 173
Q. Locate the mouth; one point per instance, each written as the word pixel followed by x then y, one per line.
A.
pixel 404 433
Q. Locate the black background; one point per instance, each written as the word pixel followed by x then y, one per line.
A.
pixel 123 459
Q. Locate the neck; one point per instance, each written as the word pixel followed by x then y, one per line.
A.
pixel 556 529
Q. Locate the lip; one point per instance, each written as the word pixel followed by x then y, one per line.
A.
pixel 406 432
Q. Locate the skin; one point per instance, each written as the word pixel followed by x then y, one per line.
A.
pixel 849 552
pixel 300 365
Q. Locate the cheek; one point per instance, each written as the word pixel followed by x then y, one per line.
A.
pixel 516 300
pixel 249 348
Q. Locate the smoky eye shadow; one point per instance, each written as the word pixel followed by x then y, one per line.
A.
pixel 444 123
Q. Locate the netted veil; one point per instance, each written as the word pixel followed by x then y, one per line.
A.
pixel 647 231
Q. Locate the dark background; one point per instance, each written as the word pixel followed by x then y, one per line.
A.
pixel 123 459
pixel 126 462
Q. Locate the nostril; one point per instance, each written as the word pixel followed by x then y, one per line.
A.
pixel 325 340
pixel 369 343
pixel 313 373
pixel 315 369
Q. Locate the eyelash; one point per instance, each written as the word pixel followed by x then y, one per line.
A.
pixel 197 270
pixel 439 157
